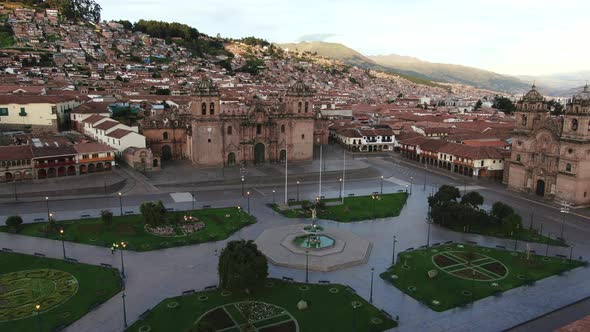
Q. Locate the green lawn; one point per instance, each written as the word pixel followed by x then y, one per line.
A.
pixel 218 226
pixel 66 291
pixel 355 208
pixel 465 273
pixel 496 230
pixel 330 309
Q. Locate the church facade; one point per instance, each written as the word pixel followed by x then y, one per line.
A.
pixel 551 155
pixel 216 135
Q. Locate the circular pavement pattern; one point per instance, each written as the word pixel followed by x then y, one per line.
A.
pixel 470 265
pixel 21 291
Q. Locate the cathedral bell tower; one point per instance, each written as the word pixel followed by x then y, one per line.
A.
pixel 530 110
pixel 576 122
pixel 206 103
pixel 299 99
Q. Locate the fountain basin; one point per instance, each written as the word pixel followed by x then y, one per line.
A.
pixel 314 241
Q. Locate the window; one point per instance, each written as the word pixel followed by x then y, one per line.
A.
pixel 209 140
pixel 568 167
pixel 204 109
pixel 212 108
pixel 165 135
pixel 3 111
pixel 518 157
pixel 95 155
pixel 574 124
pixel 302 136
pixel 481 164
pixel 22 112
pixel 282 128
pixel 570 151
pixel 258 129
pixel 84 156
pixel 108 154
pixel 230 130
pixel 299 106
pixel 306 106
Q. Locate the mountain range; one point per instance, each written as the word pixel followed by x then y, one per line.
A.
pixel 411 67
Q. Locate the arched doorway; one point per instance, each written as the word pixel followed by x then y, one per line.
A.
pixel 155 163
pixel 283 156
pixel 71 171
pixel 61 171
pixel 99 167
pixel 259 153
pixel 108 166
pixel 166 152
pixel 91 168
pixel 231 159
pixel 540 187
pixel 42 174
pixel 83 169
pixel 51 173
pixel 8 177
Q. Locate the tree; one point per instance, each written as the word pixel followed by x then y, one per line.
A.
pixel 478 105
pixel 242 267
pixel 153 214
pixel 107 217
pixel 14 222
pixel 444 195
pixel 504 104
pixel 501 210
pixel 473 198
pixel 84 10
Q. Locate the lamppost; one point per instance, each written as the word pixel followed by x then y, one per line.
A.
pixel 248 194
pixel 381 184
pixel 565 209
pixel 428 221
pixel 38 311
pixel 547 244
pixel 571 253
pixel 193 200
pixel 306 266
pixel 122 245
pixel 47 204
pixel 411 183
pixel 371 292
pixel 124 310
pixel 63 244
pixel 406 188
pixel 297 191
pixel 243 185
pixel 274 201
pixel 120 202
pixel 374 197
pixel 393 254
pixel 340 180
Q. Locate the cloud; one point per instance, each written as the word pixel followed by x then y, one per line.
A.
pixel 316 37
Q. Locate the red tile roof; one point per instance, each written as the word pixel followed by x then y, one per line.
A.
pixel 106 125
pixel 119 133
pixel 15 152
pixel 92 147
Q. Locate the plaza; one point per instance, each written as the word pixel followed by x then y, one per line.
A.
pixel 152 277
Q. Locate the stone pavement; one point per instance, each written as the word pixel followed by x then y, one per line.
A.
pixel 153 276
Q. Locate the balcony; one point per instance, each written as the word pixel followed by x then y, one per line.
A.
pixel 55 164
pixel 99 159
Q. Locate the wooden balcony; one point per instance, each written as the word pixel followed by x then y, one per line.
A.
pixel 99 159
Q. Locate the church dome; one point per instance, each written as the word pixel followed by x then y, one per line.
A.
pixel 206 87
pixel 582 97
pixel 300 89
pixel 533 95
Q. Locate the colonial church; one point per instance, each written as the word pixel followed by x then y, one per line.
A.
pixel 551 156
pixel 214 134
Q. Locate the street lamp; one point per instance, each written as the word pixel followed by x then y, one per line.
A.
pixel 122 245
pixel 63 244
pixel 428 221
pixel 124 310
pixel 47 204
pixel 371 292
pixel 571 253
pixel 411 183
pixel 381 184
pixel 243 185
pixel 374 197
pixel 38 311
pixel 340 180
pixel 274 201
pixel 194 199
pixel 393 254
pixel 306 266
pixel 406 188
pixel 120 202
pixel 248 193
pixel 297 191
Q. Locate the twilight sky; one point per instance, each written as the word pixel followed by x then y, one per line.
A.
pixel 506 36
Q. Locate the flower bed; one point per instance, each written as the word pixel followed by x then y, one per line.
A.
pixel 190 228
pixel 255 311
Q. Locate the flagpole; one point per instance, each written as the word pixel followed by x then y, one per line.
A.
pixel 320 189
pixel 343 173
pixel 286 169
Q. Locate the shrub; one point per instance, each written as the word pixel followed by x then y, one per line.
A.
pixel 107 217
pixel 14 222
pixel 242 266
pixel 153 213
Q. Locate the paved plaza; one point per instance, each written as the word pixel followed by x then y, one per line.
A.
pixel 154 276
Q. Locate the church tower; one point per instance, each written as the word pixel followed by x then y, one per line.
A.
pixel 299 99
pixel 206 103
pixel 577 117
pixel 530 110
pixel 206 142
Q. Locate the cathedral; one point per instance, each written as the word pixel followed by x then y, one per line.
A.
pixel 215 134
pixel 551 155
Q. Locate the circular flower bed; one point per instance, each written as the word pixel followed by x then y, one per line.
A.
pixel 333 290
pixel 304 288
pixel 144 328
pixel 423 253
pixel 520 276
pixel 434 250
pixel 203 298
pixel 405 267
pixel 172 305
pixel 514 253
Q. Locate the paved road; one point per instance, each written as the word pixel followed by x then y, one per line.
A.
pixel 153 276
pixel 556 319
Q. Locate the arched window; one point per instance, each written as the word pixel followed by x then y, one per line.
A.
pixel 212 108
pixel 258 129
pixel 231 159
pixel 568 167
pixel 306 106
pixel 230 130
pixel 282 128
pixel 299 106
pixel 574 124
pixel 165 136
pixel 204 109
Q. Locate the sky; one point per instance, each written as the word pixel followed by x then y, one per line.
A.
pixel 515 37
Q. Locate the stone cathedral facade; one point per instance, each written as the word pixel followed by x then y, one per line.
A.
pixel 551 155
